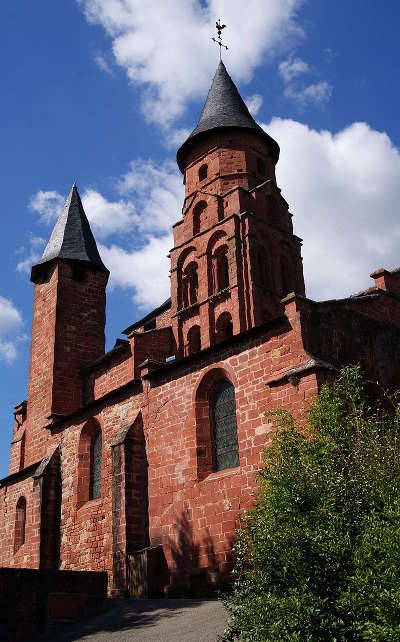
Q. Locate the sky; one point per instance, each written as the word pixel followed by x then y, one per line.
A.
pixel 102 92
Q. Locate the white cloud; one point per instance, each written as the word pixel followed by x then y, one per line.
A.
pixel 106 217
pixel 102 64
pixel 254 103
pixel 31 255
pixel 292 71
pixel 146 270
pixel 157 192
pixel 292 68
pixel 175 137
pixel 344 191
pixel 152 197
pixel 317 93
pixel 165 47
pixel 47 204
pixel 10 323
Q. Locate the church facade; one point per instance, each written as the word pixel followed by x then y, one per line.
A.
pixel 140 461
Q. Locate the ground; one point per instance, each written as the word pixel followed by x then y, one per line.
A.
pixel 148 621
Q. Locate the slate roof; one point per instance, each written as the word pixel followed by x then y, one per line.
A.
pixel 224 108
pixel 72 237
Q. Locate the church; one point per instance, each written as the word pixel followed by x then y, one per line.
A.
pixel 140 461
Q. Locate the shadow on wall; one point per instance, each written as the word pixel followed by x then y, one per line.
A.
pixel 198 569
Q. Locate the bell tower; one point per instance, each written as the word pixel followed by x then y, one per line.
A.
pixel 235 255
pixel 68 322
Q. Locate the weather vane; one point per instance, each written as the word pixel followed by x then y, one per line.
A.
pixel 218 40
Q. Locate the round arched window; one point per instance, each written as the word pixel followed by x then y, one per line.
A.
pixel 203 171
pixel 224 429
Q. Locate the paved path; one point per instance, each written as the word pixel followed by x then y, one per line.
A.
pixel 149 621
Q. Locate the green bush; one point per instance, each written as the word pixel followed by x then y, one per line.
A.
pixel 318 558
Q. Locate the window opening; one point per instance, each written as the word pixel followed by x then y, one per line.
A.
pixel 190 285
pixel 20 523
pixel 224 428
pixel 222 268
pixel 193 340
pixel 198 216
pixel 95 466
pixel 224 327
pixel 203 171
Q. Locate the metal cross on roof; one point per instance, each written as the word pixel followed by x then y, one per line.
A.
pixel 218 40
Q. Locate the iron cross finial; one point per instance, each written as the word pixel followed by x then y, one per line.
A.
pixel 218 40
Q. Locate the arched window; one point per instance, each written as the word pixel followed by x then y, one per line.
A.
pixel 95 465
pixel 193 340
pixel 20 522
pixel 89 463
pixel 260 167
pixel 190 285
pixel 224 429
pixel 198 216
pixel 203 171
pixel 224 327
pixel 221 269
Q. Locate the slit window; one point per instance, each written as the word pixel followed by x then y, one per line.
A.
pixel 95 466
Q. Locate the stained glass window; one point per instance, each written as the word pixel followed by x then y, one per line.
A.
pixel 95 466
pixel 223 415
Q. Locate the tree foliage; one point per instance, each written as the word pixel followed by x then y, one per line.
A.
pixel 318 558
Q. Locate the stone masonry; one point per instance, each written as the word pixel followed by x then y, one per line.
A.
pixel 114 455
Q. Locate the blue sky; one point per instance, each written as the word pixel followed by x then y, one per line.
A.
pixel 102 93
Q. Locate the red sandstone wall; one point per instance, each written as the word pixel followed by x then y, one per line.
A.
pixel 192 513
pixel 200 515
pixel 113 371
pixel 87 542
pixel 67 333
pixel 252 224
pixel 27 556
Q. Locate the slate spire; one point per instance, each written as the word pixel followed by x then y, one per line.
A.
pixel 72 237
pixel 224 108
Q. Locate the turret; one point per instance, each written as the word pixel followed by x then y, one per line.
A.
pixel 68 321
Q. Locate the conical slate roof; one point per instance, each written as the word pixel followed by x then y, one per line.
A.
pixel 224 108
pixel 72 237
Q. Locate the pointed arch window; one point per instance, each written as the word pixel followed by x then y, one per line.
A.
pixel 224 428
pixel 20 523
pixel 95 466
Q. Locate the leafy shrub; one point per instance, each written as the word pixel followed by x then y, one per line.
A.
pixel 318 558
